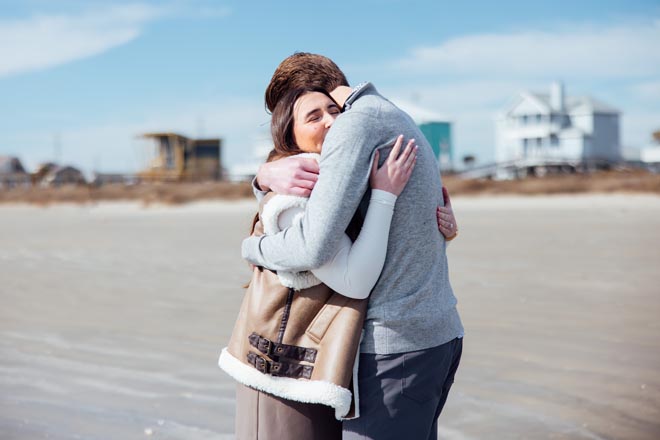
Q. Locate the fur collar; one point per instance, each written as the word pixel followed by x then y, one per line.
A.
pixel 269 216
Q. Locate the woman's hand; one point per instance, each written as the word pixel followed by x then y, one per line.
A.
pixel 395 172
pixel 446 220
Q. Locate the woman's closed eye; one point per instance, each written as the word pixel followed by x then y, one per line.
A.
pixel 314 116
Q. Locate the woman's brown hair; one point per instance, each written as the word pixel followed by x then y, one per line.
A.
pixel 284 144
pixel 281 128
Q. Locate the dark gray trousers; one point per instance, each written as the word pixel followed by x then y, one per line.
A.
pixel 402 395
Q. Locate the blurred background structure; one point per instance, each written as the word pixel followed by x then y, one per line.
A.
pixel 81 80
pixel 178 158
pixel 12 172
pixel 538 133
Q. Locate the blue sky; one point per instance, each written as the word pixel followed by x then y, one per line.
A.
pixel 80 79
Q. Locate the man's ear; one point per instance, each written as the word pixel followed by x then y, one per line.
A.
pixel 340 94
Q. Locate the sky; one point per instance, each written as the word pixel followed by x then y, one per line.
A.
pixel 81 80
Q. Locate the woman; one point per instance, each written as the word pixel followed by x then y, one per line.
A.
pixel 295 338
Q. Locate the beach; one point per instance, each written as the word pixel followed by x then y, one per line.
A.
pixel 113 315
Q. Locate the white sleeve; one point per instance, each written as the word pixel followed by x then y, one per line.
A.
pixel 258 193
pixel 355 268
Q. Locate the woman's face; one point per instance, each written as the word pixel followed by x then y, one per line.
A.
pixel 313 115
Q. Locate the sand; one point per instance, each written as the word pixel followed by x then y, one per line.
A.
pixel 112 317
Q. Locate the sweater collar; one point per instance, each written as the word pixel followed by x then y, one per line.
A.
pixel 358 91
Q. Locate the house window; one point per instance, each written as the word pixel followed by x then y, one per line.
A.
pixel 538 119
pixel 539 142
pixel 554 140
pixel 524 120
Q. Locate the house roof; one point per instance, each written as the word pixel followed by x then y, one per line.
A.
pixel 64 168
pixel 10 164
pixel 575 102
pixel 162 134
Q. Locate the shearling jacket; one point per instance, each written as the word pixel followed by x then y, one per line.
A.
pixel 300 345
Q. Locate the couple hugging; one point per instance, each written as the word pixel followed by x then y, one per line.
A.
pixel 349 327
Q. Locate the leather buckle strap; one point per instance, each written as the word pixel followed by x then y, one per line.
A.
pixel 285 369
pixel 270 348
pixel 261 364
pixel 262 344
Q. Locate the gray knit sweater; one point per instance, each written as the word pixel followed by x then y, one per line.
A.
pixel 412 306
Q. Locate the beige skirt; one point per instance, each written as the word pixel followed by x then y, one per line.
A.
pixel 262 416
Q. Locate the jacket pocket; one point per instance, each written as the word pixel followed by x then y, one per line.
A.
pixel 321 322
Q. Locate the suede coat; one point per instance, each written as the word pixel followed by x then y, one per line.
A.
pixel 299 342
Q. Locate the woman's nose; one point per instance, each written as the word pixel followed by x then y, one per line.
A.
pixel 329 120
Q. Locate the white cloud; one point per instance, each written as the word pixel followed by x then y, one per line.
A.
pixel 447 96
pixel 42 41
pixel 575 51
pixel 213 11
pixel 647 91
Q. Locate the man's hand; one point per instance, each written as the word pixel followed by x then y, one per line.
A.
pixel 295 176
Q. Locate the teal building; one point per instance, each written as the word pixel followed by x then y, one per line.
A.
pixel 438 134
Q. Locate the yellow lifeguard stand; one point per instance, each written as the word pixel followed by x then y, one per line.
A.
pixel 178 158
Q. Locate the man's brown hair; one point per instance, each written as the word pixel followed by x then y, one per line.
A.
pixel 302 70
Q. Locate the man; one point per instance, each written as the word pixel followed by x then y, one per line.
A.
pixel 412 339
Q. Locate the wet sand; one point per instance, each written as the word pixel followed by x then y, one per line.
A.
pixel 112 317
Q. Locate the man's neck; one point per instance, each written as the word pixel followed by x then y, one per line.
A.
pixel 340 94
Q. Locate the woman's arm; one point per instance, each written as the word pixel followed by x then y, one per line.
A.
pixel 446 219
pixel 355 268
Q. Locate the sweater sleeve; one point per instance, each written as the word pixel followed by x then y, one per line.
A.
pixel 343 179
pixel 355 268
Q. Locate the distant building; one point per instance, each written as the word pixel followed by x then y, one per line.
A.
pixel 42 170
pixel 100 179
pixel 537 126
pixel 63 175
pixel 178 158
pixel 438 134
pixel 436 129
pixel 12 173
pixel 649 155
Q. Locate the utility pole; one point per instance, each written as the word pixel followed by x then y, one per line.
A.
pixel 57 148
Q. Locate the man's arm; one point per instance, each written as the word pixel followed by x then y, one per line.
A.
pixel 345 165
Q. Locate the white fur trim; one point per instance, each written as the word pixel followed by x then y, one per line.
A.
pixel 306 391
pixel 276 206
pixel 298 280
pixel 269 218
pixel 356 389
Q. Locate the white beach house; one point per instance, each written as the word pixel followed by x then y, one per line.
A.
pixel 538 127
